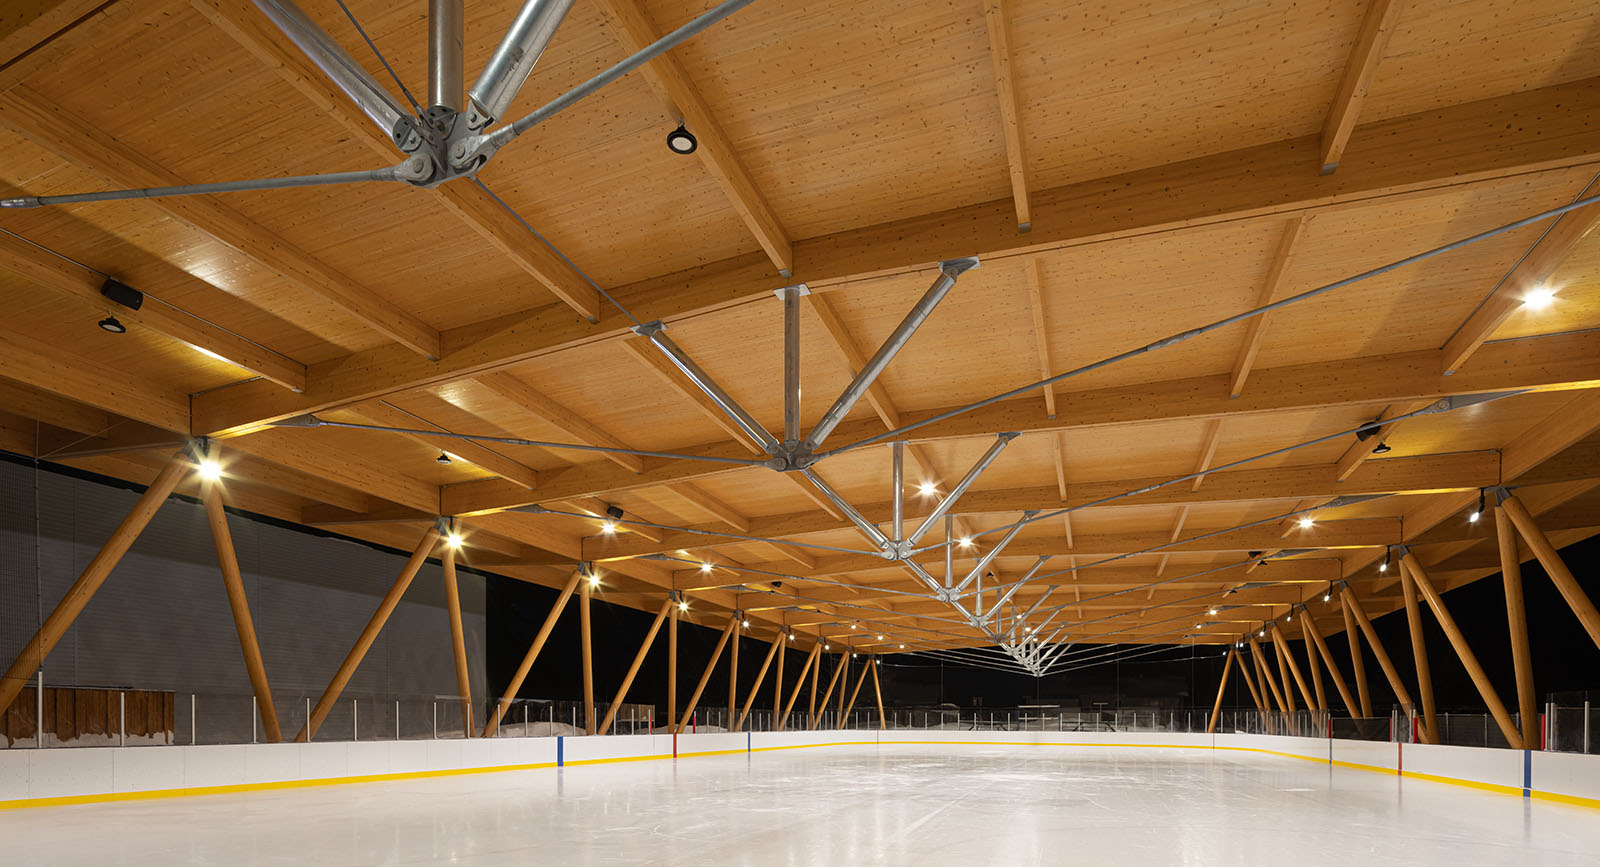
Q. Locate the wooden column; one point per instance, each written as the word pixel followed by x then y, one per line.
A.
pixel 672 665
pixel 832 681
pixel 853 693
pixel 1266 673
pixel 1353 605
pixel 458 639
pixel 777 682
pixel 845 664
pixel 82 590
pixel 878 690
pixel 761 676
pixel 539 640
pixel 586 639
pixel 1222 687
pixel 799 684
pixel 1315 634
pixel 211 493
pixel 1517 619
pixel 1480 678
pixel 1286 659
pixel 815 670
pixel 1244 672
pixel 347 669
pixel 733 668
pixel 1419 653
pixel 1282 656
pixel 711 664
pixel 633 670
pixel 1357 663
pixel 1313 661
pixel 1570 589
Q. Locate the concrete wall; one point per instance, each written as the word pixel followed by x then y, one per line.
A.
pixel 161 621
pixel 46 777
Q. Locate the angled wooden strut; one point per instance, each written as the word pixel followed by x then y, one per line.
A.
pixel 1310 625
pixel 1553 565
pixel 493 724
pixel 1244 673
pixel 1469 660
pixel 877 689
pixel 1419 653
pixel 1266 674
pixel 711 664
pixel 1222 687
pixel 854 692
pixel 1517 621
pixel 672 662
pixel 733 669
pixel 585 593
pixel 761 676
pixel 633 670
pixel 1286 656
pixel 458 639
pixel 1353 604
pixel 211 493
pixel 832 681
pixel 38 647
pixel 799 684
pixel 1357 663
pixel 347 669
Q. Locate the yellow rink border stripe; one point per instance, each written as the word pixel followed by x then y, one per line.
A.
pixel 153 794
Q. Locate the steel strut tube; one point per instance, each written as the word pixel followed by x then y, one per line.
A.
pixel 948 272
pixel 871 529
pixel 498 139
pixel 654 331
pixel 791 362
pixel 372 98
pixel 445 28
pixel 899 482
pixel 988 558
pixel 961 487
pixel 513 59
pixel 949 553
pixel 392 173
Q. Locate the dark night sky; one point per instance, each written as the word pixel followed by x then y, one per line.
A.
pixel 1564 657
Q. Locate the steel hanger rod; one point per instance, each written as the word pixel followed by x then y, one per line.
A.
pixel 391 173
pixel 314 421
pixel 900 432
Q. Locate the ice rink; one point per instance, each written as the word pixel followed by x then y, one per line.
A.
pixel 925 805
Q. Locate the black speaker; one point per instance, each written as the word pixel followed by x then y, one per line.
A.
pixel 123 294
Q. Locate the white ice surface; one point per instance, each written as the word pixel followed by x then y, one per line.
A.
pixel 835 806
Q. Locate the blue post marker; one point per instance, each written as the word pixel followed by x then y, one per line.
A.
pixel 747 747
pixel 561 751
pixel 1527 773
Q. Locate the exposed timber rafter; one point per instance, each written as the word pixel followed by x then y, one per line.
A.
pixel 1465 143
pixel 470 203
pixel 669 79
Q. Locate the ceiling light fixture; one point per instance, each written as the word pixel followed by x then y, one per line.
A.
pixel 966 541
pixel 453 541
pixel 1382 449
pixel 1306 522
pixel 607 527
pixel 880 638
pixel 746 624
pixel 442 458
pixel 706 568
pixel 210 470
pixel 1540 298
pixel 681 141
pixel 1384 566
pixel 594 579
pixel 926 489
pixel 683 605
pixel 111 324
pixel 1212 612
pixel 1478 512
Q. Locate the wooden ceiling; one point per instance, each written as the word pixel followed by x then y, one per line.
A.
pixel 1172 164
